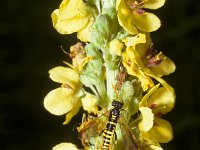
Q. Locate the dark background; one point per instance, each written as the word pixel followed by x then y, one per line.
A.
pixel 30 46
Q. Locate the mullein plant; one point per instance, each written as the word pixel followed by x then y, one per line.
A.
pixel 115 59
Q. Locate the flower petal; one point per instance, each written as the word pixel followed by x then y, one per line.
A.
pixel 147 22
pixel 72 113
pixel 137 59
pixel 142 48
pixel 154 4
pixel 161 131
pixel 127 24
pixel 134 70
pixel 115 47
pixel 59 101
pixel 147 119
pixel 135 40
pixel 166 67
pixel 144 100
pixel 124 17
pixel 148 142
pixel 90 103
pixel 65 146
pixel 71 16
pixel 85 34
pixel 65 75
pixel 153 147
pixel 162 101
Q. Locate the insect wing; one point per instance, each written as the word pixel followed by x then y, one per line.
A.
pixel 91 129
pixel 129 140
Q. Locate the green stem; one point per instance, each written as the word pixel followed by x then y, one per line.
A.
pixel 111 71
pixel 110 80
pixel 101 88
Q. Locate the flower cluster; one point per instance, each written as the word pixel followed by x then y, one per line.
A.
pixel 115 60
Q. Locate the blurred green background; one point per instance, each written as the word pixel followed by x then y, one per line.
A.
pixel 30 46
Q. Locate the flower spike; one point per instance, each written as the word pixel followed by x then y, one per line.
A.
pixel 115 75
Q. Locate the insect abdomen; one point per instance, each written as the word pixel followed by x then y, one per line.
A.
pixel 111 125
pixel 108 135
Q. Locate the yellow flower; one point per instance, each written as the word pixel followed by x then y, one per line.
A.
pixel 161 132
pixel 65 146
pixel 158 101
pixel 152 65
pixel 73 16
pixel 129 61
pixel 148 59
pixel 132 16
pixel 133 70
pixel 65 99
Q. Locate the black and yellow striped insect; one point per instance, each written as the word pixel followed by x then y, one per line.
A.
pixel 111 125
pixel 95 127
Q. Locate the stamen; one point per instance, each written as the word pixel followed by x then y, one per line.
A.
pixel 129 62
pixel 159 114
pixel 140 11
pixel 65 85
pixel 155 60
pixel 153 106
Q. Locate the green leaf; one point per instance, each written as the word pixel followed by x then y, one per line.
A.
pixel 100 31
pixel 92 73
pixel 122 34
pixel 131 95
pixel 109 8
